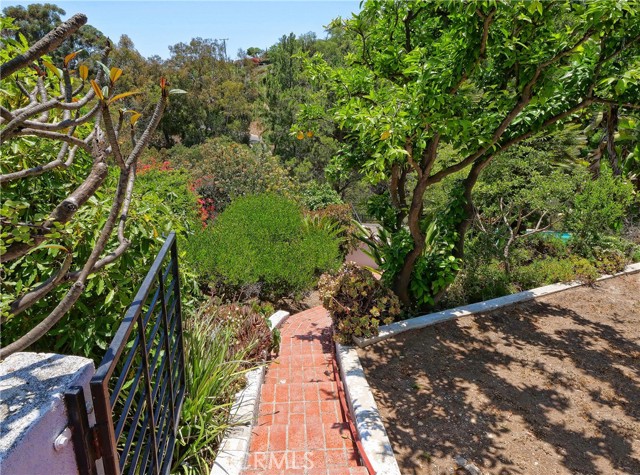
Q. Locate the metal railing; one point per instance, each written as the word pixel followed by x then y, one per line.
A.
pixel 139 386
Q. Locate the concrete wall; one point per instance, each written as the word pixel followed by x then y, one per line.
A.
pixel 33 415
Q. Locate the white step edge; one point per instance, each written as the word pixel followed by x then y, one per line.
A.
pixel 393 329
pixel 234 447
pixel 364 412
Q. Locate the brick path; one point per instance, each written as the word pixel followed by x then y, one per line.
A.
pixel 300 428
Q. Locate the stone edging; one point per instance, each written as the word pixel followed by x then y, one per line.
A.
pixel 388 331
pixel 364 411
pixel 234 447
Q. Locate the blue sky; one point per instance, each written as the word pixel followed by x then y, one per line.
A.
pixel 153 25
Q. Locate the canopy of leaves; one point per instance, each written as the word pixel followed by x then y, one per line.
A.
pixel 473 78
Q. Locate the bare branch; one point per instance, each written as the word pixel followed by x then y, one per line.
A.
pixel 612 102
pixel 64 124
pixel 144 139
pixel 70 205
pixel 48 43
pixel 54 136
pixel 111 136
pixel 6 114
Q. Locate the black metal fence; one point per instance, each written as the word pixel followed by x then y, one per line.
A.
pixel 139 386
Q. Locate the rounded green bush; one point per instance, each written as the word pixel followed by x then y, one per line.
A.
pixel 262 242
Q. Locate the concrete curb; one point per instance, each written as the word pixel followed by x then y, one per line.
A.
pixel 388 331
pixel 234 447
pixel 364 411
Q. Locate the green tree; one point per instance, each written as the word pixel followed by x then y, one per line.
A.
pixel 223 170
pixel 36 20
pixel 305 151
pixel 221 94
pixel 476 77
pixel 524 193
pixel 254 52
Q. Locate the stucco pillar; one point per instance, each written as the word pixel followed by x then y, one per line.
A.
pixel 33 415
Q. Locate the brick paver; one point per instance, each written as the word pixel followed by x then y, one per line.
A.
pixel 300 427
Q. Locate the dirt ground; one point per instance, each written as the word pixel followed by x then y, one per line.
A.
pixel 547 387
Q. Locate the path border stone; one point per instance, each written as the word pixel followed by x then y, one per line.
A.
pixel 393 329
pixel 364 411
pixel 234 447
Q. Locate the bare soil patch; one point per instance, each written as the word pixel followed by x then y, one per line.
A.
pixel 546 387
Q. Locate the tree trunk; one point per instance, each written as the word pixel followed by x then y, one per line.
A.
pixel 612 126
pixel 403 279
pixel 464 225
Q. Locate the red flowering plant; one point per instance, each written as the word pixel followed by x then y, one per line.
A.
pixel 152 163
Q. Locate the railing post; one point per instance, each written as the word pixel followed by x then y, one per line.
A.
pixel 176 277
pixel 81 433
pixel 167 344
pixel 104 427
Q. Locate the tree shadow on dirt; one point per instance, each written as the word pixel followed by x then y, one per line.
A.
pixel 485 388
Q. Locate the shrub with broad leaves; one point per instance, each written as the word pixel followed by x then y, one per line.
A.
pixel 358 302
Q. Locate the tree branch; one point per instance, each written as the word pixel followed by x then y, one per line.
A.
pixel 48 43
pixel 78 286
pixel 54 136
pixel 40 169
pixel 612 102
pixel 111 136
pixel 27 300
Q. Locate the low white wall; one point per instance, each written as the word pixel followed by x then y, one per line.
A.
pixel 395 328
pixel 364 412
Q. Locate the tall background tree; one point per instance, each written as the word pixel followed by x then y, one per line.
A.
pixel 36 20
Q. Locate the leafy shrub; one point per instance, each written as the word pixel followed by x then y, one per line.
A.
pixel 261 242
pixel 599 209
pixel 318 196
pixel 551 270
pixel 338 217
pixel 250 329
pixel 478 283
pixel 584 271
pixel 223 170
pixel 609 261
pixel 542 272
pixel 213 375
pixel 624 245
pixel 357 302
pixel 546 245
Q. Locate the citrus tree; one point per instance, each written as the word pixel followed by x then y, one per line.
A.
pixel 68 110
pixel 472 78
